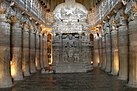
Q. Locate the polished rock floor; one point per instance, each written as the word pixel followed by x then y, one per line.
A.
pixel 97 80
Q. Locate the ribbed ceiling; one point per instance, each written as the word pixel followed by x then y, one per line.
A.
pixel 51 4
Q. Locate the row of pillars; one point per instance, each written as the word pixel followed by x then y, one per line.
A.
pixel 23 51
pixel 116 51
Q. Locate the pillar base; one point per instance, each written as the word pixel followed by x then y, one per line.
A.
pixel 26 74
pixel 122 78
pixel 107 70
pixel 6 85
pixel 43 71
pixel 18 78
pixel 112 73
pixel 133 85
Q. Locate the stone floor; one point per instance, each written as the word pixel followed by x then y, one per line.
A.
pixel 96 80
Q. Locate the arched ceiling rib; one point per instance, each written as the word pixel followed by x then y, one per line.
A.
pixel 51 4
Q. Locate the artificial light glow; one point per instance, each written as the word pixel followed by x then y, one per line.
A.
pixel 36 62
pixel 116 62
pixel 51 60
pixel 91 62
pixel 13 70
pixel 98 61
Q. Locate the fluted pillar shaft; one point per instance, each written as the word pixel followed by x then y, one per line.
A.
pixel 25 57
pixel 123 48
pixel 115 58
pixel 133 53
pixel 100 52
pixel 16 64
pixel 32 52
pixel 104 52
pixel 96 51
pixel 37 57
pixel 45 59
pixel 42 53
pixel 5 76
pixel 108 53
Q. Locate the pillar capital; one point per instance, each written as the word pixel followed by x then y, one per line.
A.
pixel 131 9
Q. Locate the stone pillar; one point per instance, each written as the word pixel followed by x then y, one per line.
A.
pixel 25 57
pixel 37 57
pixel 115 59
pixel 32 51
pixel 100 52
pixel 104 51
pixel 42 53
pixel 133 43
pixel 16 63
pixel 123 47
pixel 96 51
pixel 5 76
pixel 108 52
pixel 45 59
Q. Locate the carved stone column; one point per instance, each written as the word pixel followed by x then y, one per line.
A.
pixel 45 58
pixel 96 51
pixel 104 51
pixel 115 59
pixel 25 57
pixel 5 76
pixel 123 46
pixel 42 53
pixel 32 50
pixel 132 7
pixel 16 64
pixel 37 57
pixel 100 52
pixel 108 50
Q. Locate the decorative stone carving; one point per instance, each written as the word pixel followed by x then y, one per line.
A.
pixel 70 11
pixel 70 38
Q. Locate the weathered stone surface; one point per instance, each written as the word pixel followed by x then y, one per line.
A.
pixel 115 58
pixel 104 52
pixel 96 52
pixel 45 59
pixel 70 39
pixel 123 52
pixel 32 53
pixel 16 66
pixel 72 55
pixel 25 57
pixel 100 53
pixel 108 53
pixel 42 54
pixel 37 57
pixel 5 76
pixel 133 53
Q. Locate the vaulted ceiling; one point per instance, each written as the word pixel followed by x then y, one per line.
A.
pixel 51 4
